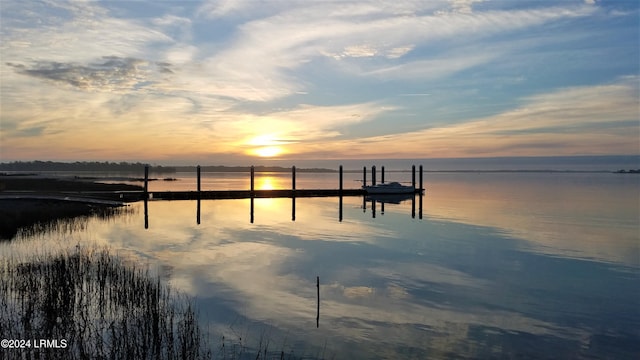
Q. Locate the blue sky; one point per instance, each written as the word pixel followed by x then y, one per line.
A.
pixel 227 81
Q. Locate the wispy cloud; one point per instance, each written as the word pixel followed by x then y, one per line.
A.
pixel 321 76
pixel 587 120
pixel 112 73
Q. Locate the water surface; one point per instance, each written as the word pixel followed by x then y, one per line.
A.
pixel 504 265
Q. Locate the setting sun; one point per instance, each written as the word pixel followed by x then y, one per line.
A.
pixel 266 145
pixel 268 151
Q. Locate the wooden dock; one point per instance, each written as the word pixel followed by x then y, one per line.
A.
pixel 247 194
pixel 251 193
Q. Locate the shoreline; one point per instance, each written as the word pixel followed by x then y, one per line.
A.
pixel 36 202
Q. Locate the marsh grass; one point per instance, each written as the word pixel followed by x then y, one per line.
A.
pixel 107 307
pixel 102 308
pixel 24 217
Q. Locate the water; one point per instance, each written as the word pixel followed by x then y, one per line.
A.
pixel 502 265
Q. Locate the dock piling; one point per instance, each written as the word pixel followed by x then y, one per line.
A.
pixel 373 175
pixel 293 178
pixel 364 176
pixel 413 176
pixel 382 175
pixel 146 181
pixel 421 179
pixel 198 177
pixel 252 171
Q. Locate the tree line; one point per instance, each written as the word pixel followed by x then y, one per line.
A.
pixel 80 166
pixel 136 167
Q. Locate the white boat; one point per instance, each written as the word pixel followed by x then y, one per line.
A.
pixel 389 188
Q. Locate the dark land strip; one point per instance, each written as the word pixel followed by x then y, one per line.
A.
pixel 35 202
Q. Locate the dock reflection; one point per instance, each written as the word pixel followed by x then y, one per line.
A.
pixel 375 200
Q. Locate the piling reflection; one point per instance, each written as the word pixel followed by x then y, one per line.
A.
pixel 269 204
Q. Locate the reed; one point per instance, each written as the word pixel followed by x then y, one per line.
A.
pixel 30 217
pixel 102 308
pixel 106 308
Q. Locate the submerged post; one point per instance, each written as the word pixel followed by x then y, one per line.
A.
pixel 373 175
pixel 198 195
pixel 382 175
pixel 146 196
pixel 318 311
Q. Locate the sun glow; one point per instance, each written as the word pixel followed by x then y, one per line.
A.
pixel 266 145
pixel 268 151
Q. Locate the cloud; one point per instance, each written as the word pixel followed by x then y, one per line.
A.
pixel 62 31
pixel 111 73
pixel 584 120
pixel 304 32
pixel 305 73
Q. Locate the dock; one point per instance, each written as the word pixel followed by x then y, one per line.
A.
pixel 250 193
pixel 246 194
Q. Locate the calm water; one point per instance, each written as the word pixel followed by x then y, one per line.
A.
pixel 502 265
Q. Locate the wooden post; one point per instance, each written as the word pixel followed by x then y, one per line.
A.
pixel 146 196
pixel 293 193
pixel 421 179
pixel 252 174
pixel 413 176
pixel 340 195
pixel 198 175
pixel 146 181
pixel 373 175
pixel 293 178
pixel 318 311
pixel 364 176
pixel 252 177
pixel 382 175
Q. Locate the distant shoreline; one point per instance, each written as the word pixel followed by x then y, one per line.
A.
pixel 89 167
pixel 512 164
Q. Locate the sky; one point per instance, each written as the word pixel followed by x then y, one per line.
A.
pixel 235 81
